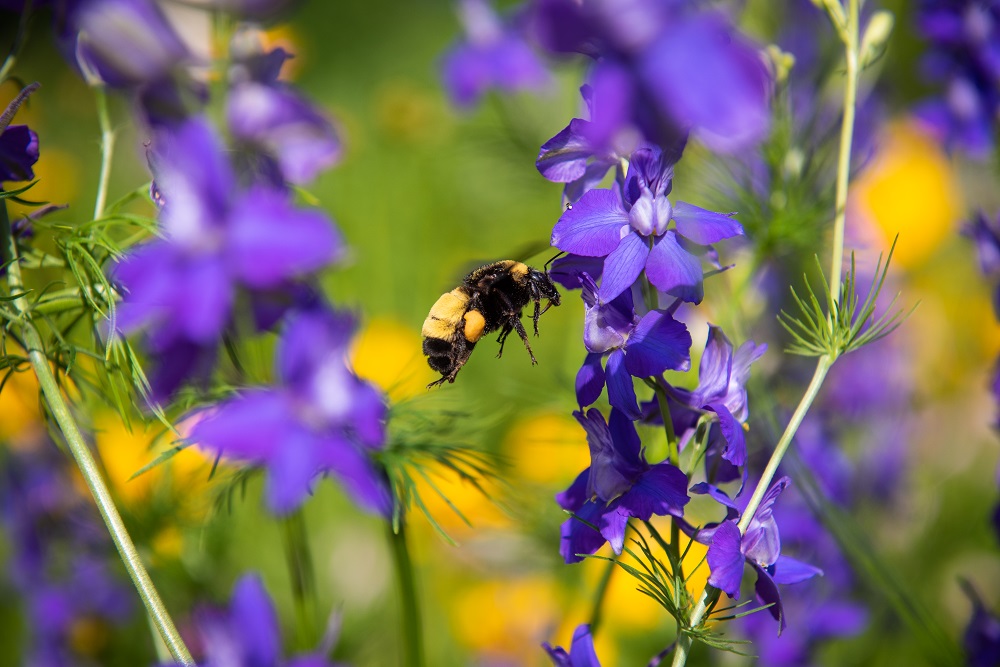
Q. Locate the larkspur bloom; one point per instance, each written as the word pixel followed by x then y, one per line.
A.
pixel 981 640
pixel 18 153
pixel 581 652
pixel 619 484
pixel 635 347
pixel 631 230
pixel 760 547
pixel 217 239
pixel 494 55
pixel 664 69
pixel 320 418
pixel 964 57
pixel 281 133
pixel 248 633
pixel 985 234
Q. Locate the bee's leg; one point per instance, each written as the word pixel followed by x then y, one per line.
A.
pixel 524 336
pixel 502 338
pixel 538 313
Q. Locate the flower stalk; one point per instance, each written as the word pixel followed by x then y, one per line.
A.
pixel 412 630
pixel 85 461
pixel 107 150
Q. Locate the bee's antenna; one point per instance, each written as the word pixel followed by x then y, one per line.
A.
pixel 557 256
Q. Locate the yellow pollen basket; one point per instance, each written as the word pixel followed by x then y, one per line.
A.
pixel 474 325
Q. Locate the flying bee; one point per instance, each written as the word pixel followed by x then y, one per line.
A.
pixel 489 299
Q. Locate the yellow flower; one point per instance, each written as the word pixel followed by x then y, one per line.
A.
pixel 390 355
pixel 547 448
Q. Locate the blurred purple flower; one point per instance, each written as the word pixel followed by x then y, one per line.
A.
pixel 985 234
pixel 494 56
pixel 982 636
pixel 619 484
pixel 18 153
pixel 270 118
pixel 760 547
pixel 639 347
pixel 631 231
pixel 964 57
pixel 581 652
pixel 248 634
pixel 320 418
pixel 216 239
pixel 664 69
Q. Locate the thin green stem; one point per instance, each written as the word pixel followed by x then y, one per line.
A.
pixel 413 652
pixel 597 610
pixel 303 578
pixel 63 417
pixel 846 140
pixel 107 150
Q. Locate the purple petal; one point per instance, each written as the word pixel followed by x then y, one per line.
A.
pixel 147 275
pixel 251 427
pixel 253 617
pixel 291 470
pixel 563 158
pixel 18 153
pixel 590 380
pixel 715 367
pixel 568 270
pixel 593 227
pixel 705 76
pixel 579 538
pixel 626 444
pixel 661 490
pixel 725 560
pixel 573 498
pixel 591 178
pixel 702 226
pixel 838 619
pixel 203 299
pixel 605 325
pixel 582 650
pixel 179 362
pixel 363 482
pixel 621 393
pixel 611 100
pixel 732 431
pixel 613 522
pixel 659 343
pixel 623 266
pixel 788 570
pixel 673 270
pixel 767 593
pixel 607 479
pixel 271 241
pixel 715 493
pixel 310 336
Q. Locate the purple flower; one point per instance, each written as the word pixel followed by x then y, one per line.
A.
pixel 274 123
pixel 581 652
pixel 760 547
pixel 321 418
pixel 982 636
pixel 619 484
pixel 18 153
pixel 635 347
pixel 632 231
pixel 248 633
pixel 126 43
pixel 964 56
pixel 216 238
pixel 494 56
pixel 665 69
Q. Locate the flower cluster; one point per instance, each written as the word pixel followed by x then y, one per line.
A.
pixel 962 58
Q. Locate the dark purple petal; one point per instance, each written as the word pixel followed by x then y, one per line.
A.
pixel 623 266
pixel 18 153
pixel 736 397
pixel 611 100
pixel 558 655
pixel 673 270
pixel 621 393
pixel 659 343
pixel 715 367
pixel 368 411
pixel 252 612
pixel 563 158
pixel 761 541
pixel 271 241
pixel 732 431
pixel 725 560
pixel 363 482
pixel 606 325
pixel 607 479
pixel 568 270
pixel 706 77
pixel 573 498
pixel 203 299
pixel 593 227
pixel 787 570
pixel 704 227
pixel 767 593
pixel 591 178
pixel 582 650
pixel 178 362
pixel 577 537
pixel 291 469
pixel 661 490
pixel 251 427
pixel 147 275
pixel 717 494
pixel 590 380
pixel 613 522
pixel 627 445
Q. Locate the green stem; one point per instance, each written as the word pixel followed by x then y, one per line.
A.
pixel 88 468
pixel 413 652
pixel 303 578
pixel 597 611
pixel 107 150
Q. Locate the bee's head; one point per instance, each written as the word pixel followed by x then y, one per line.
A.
pixel 542 286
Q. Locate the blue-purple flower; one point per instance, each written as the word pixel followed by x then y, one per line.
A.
pixel 320 418
pixel 632 231
pixel 493 56
pixel 216 239
pixel 581 652
pixel 18 153
pixel 248 633
pixel 635 347
pixel 760 547
pixel 619 484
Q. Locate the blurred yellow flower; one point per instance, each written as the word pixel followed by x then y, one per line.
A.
pixel 20 420
pixel 390 355
pixel 547 448
pixel 910 189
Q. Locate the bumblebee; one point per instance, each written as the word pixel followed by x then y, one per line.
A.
pixel 489 299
